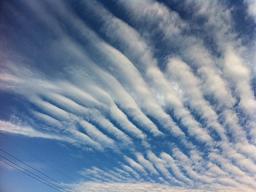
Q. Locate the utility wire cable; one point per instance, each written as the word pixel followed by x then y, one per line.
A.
pixel 31 174
pixel 26 164
pixel 37 170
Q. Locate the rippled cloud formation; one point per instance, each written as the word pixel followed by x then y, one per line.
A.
pixel 165 89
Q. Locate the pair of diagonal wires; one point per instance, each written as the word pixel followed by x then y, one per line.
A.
pixel 14 162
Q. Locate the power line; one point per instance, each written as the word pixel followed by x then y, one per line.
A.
pixel 26 164
pixel 37 170
pixel 32 175
pixel 13 165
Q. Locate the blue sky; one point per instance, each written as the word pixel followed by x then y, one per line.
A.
pixel 137 95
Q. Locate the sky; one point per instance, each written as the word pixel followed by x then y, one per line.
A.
pixel 127 95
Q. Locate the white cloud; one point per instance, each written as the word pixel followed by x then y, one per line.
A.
pixel 147 65
pixel 251 6
pixel 117 95
pixel 24 130
pixel 140 187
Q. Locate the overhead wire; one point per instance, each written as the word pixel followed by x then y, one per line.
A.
pixel 26 164
pixel 30 171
